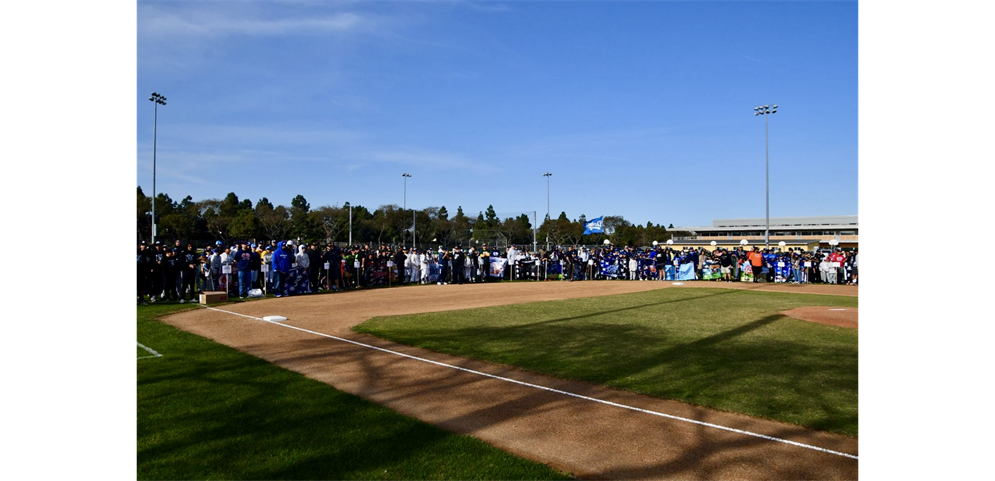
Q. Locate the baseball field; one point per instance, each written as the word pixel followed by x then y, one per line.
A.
pixel 646 380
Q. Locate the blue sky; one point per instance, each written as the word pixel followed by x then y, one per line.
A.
pixel 639 109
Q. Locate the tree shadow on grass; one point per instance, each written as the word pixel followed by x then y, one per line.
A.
pixel 739 369
pixel 232 416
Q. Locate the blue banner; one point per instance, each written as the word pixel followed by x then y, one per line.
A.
pixel 595 226
pixel 686 272
pixel 670 271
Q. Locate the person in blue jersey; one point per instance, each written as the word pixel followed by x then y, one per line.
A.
pixel 281 269
pixel 444 258
pixel 770 264
pixel 696 260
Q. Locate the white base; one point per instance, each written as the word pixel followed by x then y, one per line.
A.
pixel 274 318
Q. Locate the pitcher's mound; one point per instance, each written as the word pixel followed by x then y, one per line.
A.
pixel 836 316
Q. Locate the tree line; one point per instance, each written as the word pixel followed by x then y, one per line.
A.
pixel 232 219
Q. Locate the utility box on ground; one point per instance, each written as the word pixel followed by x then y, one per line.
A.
pixel 213 297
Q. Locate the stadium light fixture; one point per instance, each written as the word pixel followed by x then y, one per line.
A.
pixel 406 175
pixel 766 111
pixel 547 175
pixel 157 100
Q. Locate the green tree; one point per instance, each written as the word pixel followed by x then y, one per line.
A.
pixel 388 222
pixel 245 225
pixel 617 229
pixel 264 203
pixel 559 231
pixel 361 223
pixel 273 221
pixel 301 225
pixel 426 221
pixel 229 206
pixel 437 226
pixel 215 221
pixel 570 232
pixel 522 233
pixel 490 218
pixel 171 224
pixel 460 227
pixel 330 221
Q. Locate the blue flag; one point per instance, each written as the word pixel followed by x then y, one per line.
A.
pixel 594 226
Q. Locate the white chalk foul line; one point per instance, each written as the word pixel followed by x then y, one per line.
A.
pixel 544 388
pixel 154 354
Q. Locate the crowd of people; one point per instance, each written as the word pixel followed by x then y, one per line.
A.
pixel 282 268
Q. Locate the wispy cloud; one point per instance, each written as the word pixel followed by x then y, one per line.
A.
pixel 484 6
pixel 263 134
pixel 751 58
pixel 197 22
pixel 417 157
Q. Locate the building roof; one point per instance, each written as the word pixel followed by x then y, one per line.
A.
pixel 848 222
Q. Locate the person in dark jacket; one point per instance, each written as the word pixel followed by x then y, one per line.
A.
pixel 457 265
pixel 314 266
pixel 333 258
pixel 255 265
pixel 173 266
pixel 243 261
pixel 189 272
pixel 144 271
pixel 399 259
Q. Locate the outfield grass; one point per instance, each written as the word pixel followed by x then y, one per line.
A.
pixel 206 411
pixel 719 348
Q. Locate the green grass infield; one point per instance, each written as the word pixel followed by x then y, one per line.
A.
pixel 726 349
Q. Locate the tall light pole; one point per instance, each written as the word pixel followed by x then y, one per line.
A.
pixel 406 175
pixel 547 175
pixel 350 223
pixel 157 100
pixel 766 110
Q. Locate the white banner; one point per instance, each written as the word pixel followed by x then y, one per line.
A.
pixel 497 266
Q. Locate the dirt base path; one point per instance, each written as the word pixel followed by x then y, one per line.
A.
pixel 576 434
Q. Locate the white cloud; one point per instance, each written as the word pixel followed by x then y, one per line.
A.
pixel 184 23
